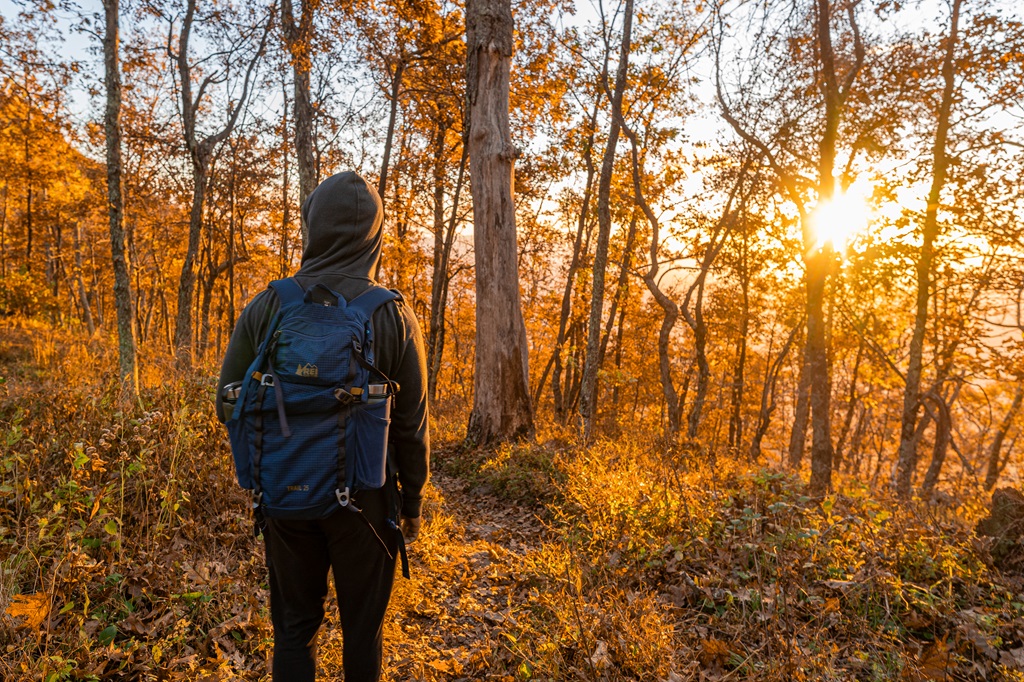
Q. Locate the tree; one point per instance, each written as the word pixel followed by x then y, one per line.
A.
pixel 115 197
pixel 912 400
pixel 833 90
pixel 298 39
pixel 588 390
pixel 201 147
pixel 501 398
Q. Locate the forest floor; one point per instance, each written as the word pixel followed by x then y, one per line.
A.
pixel 126 553
pixel 449 621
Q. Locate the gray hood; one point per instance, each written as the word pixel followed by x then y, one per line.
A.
pixel 344 216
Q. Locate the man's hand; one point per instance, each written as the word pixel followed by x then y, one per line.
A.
pixel 411 528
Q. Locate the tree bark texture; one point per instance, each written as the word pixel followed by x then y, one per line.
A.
pixel 906 461
pixel 501 395
pixel 817 365
pixel 128 367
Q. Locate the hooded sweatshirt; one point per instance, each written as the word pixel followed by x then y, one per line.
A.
pixel 344 217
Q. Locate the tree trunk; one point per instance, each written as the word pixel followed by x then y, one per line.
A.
pixel 906 462
pixel 818 259
pixel 700 342
pixel 771 376
pixel 396 87
pixel 565 312
pixel 501 390
pixel 201 151
pixel 588 389
pixel 3 232
pixel 851 405
pixel 128 368
pixel 943 438
pixel 996 461
pixel 738 377
pixel 297 38
pixel 83 295
pixel 284 263
pixel 801 415
pixel 183 328
pixel 28 171
pixel 444 239
pixel 817 364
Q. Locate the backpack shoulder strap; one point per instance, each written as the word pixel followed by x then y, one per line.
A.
pixel 373 298
pixel 366 303
pixel 288 291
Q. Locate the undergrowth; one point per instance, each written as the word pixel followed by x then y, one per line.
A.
pixel 125 544
pixel 126 552
pixel 664 565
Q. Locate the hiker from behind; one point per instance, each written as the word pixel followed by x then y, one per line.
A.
pixel 323 389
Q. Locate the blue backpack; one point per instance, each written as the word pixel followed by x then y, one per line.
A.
pixel 310 424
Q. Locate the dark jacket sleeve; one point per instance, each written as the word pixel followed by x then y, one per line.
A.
pixel 405 362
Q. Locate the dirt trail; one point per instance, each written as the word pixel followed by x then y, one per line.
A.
pixel 449 621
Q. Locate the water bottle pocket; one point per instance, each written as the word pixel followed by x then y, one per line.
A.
pixel 367 439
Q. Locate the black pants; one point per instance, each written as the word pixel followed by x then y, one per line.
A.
pixel 299 553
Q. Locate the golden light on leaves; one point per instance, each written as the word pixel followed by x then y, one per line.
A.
pixel 33 608
pixel 838 220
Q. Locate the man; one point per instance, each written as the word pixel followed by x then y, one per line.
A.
pixel 344 217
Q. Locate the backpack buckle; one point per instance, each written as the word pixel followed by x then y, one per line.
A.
pixel 347 398
pixel 344 497
pixel 267 380
pixel 257 499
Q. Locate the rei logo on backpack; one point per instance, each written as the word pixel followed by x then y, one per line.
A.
pixel 310 425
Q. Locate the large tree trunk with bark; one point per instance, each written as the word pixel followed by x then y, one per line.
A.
pixel 906 462
pixel 127 364
pixel 817 364
pixel 501 390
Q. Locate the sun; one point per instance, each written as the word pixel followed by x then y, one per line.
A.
pixel 837 221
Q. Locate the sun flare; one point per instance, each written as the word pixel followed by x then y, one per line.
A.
pixel 838 220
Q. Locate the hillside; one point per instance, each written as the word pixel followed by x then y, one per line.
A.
pixel 127 553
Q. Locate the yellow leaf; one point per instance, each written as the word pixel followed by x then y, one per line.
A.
pixel 34 608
